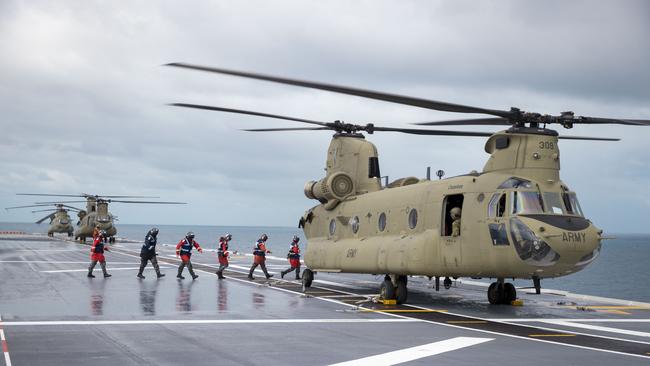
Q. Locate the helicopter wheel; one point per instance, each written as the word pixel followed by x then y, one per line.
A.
pixel 495 293
pixel 69 235
pixel 447 283
pixel 509 293
pixel 401 292
pixel 307 278
pixel 387 290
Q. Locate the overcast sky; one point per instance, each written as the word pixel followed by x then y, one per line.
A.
pixel 83 96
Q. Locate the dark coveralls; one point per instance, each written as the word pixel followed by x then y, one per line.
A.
pixel 97 255
pixel 222 254
pixel 294 261
pixel 184 249
pixel 148 253
pixel 259 259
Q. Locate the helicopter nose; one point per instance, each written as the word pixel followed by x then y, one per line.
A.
pixel 575 239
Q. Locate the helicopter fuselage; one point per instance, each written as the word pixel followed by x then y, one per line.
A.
pixel 407 231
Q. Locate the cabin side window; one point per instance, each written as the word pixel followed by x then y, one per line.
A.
pixel 381 222
pixel 451 202
pixel 413 218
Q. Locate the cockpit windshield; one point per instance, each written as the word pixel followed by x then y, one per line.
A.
pixel 526 202
pixel 571 203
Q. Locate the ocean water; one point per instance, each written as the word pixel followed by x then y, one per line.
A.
pixel 621 271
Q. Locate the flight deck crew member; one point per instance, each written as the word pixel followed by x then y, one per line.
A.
pixel 259 257
pixel 294 258
pixel 97 254
pixel 96 232
pixel 184 250
pixel 148 253
pixel 223 254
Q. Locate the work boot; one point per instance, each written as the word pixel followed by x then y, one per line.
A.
pixel 250 277
pixel 268 276
pixel 180 271
pixel 140 275
pixel 282 274
pixel 91 275
pixel 107 275
pixel 180 277
pixel 297 276
pixel 160 275
pixel 195 276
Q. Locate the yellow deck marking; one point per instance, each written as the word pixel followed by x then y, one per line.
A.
pixel 403 311
pixel 614 312
pixel 552 335
pixel 319 292
pixel 466 321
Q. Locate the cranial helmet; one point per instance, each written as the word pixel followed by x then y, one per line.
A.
pixel 103 233
pixel 264 237
pixel 190 235
pixel 296 239
pixel 228 236
pixel 154 231
pixel 455 213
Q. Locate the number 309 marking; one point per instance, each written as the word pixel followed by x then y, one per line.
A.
pixel 548 145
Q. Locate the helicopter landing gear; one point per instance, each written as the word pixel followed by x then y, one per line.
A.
pixel 537 284
pixel 401 292
pixel 387 290
pixel 501 293
pixel 82 240
pixel 447 283
pixel 51 235
pixel 70 235
pixel 307 278
pixel 394 288
pixel 111 239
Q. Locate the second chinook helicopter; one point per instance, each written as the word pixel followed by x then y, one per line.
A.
pixel 60 221
pixel 514 219
pixel 96 214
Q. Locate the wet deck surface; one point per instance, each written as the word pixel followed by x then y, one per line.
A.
pixel 53 314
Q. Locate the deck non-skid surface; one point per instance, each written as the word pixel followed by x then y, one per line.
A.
pixel 51 313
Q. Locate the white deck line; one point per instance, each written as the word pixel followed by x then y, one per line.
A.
pixel 204 321
pixel 414 353
pixel 598 328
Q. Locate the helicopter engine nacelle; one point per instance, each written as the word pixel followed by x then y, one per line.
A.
pixel 337 186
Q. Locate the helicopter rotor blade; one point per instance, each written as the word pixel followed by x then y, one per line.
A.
pixel 288 129
pixel 50 216
pixel 36 205
pixel 57 202
pixel 242 111
pixel 469 122
pixel 394 98
pixel 49 209
pixel 414 131
pixel 154 202
pixel 49 195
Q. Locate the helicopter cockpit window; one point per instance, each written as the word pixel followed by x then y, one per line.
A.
pixel 553 203
pixel 497 205
pixel 515 183
pixel 523 202
pixel 572 204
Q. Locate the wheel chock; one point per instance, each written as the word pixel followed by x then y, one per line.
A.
pixel 517 302
pixel 389 302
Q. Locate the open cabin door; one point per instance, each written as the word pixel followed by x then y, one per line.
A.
pixel 451 242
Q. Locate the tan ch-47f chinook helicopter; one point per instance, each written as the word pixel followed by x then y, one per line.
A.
pixel 514 219
pixel 59 219
pixel 96 213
